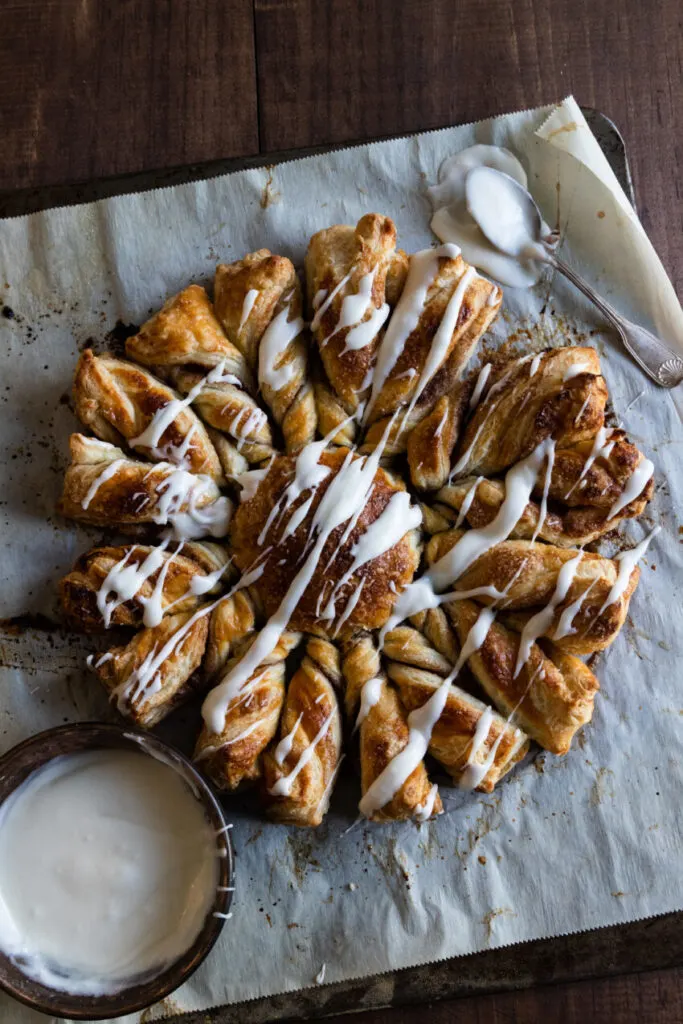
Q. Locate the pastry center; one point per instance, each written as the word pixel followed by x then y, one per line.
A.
pixel 363 561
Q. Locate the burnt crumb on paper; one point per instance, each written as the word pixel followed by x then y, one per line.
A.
pixel 8 313
pixel 116 338
pixel 18 624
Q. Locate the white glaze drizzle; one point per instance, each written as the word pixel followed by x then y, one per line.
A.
pixel 424 811
pixel 105 475
pixel 467 502
pixel 283 785
pixel 442 339
pixel 326 303
pixel 279 333
pixel 370 694
pixel 350 605
pixel 535 363
pixel 638 480
pixel 541 621
pixel 543 512
pixel 602 448
pixel 319 296
pixel 124 580
pixel 564 626
pixel 471 776
pixel 465 457
pixel 167 414
pixel 354 309
pixel 250 481
pixel 363 334
pixel 247 306
pixel 627 562
pixel 285 745
pixel 577 418
pixel 441 424
pixel 145 679
pixel 480 385
pixel 519 483
pixel 424 267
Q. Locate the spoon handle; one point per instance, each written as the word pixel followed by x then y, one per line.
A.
pixel 649 352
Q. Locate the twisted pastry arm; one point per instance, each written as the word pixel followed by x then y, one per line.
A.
pixel 235 755
pixel 482 499
pixel 431 443
pixel 171 582
pixel 230 409
pixel 575 480
pixel 346 269
pixel 383 731
pixel 258 301
pixel 518 411
pixel 283 372
pixel 233 619
pixel 155 672
pixel 118 400
pixel 475 745
pixel 105 487
pixel 183 341
pixel 527 572
pixel 550 696
pixel 478 304
pixel 300 771
pixel 332 414
pixel 185 332
pixel 453 741
pixel 246 296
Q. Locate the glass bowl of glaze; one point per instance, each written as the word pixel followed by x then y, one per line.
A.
pixel 71 751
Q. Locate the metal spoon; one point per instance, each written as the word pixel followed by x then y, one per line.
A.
pixel 509 217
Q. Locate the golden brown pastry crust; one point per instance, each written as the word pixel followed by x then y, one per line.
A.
pixel 569 527
pixel 235 755
pixel 233 619
pixel 333 254
pixel 604 482
pixel 478 309
pixel 383 733
pixel 312 720
pixel 534 567
pixel 384 576
pixel 518 411
pixel 272 277
pixel 78 590
pixel 105 487
pixel 183 342
pixel 431 443
pixel 186 331
pixel 118 400
pixel 549 705
pixel 452 737
pixel 175 679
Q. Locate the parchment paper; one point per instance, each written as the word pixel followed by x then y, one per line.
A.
pixel 564 844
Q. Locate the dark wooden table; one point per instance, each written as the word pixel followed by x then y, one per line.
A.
pixel 95 89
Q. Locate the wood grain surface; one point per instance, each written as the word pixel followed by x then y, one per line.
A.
pixel 92 89
pixel 651 998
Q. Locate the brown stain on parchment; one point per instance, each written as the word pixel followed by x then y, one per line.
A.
pixel 269 195
pixel 489 918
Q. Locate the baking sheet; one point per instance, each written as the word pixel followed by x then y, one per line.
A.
pixel 564 844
